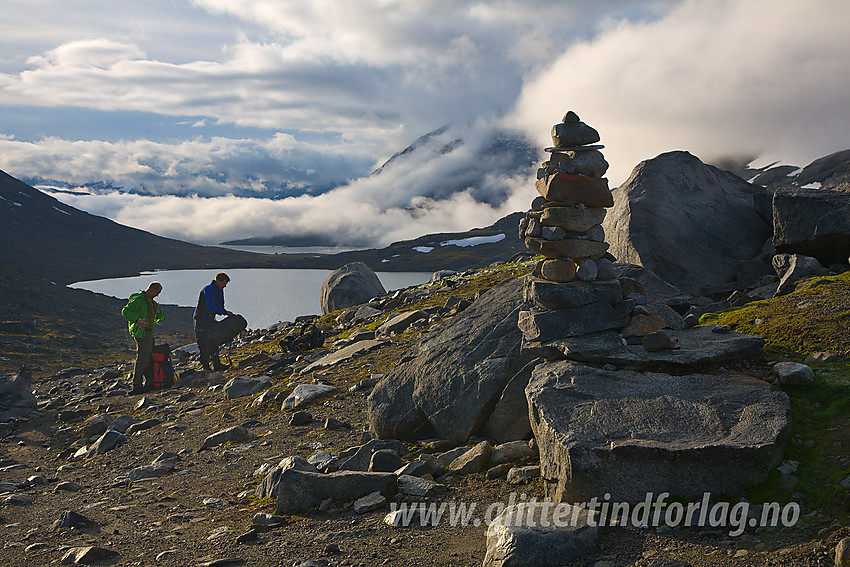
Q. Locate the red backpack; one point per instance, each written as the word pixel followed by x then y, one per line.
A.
pixel 159 373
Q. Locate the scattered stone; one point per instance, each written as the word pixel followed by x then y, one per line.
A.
pixel 794 373
pixel 16 397
pixel 162 556
pixel 266 397
pixel 241 387
pixel 364 313
pixel 237 434
pixel 145 402
pixel 247 537
pixel 420 487
pixel 88 555
pixel 455 374
pixel 722 227
pixel 71 519
pixel 643 324
pixel 358 458
pixel 262 520
pixel 498 471
pixel 225 562
pixel 153 470
pixel 369 503
pixel 511 451
pixel 472 461
pixel 385 460
pixel 415 468
pixel 821 358
pixel 303 393
pixel 331 423
pixel 342 354
pixel 300 418
pixel 521 475
pixel 122 423
pixel 97 425
pixel 143 425
pixel 658 341
pixel 398 323
pixel 815 222
pixel 534 535
pixel 323 461
pixel 67 486
pixel 15 500
pixel 106 442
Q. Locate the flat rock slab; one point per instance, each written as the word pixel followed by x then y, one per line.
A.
pixel 300 490
pixel 548 325
pixel 630 433
pixel 344 353
pixel 696 346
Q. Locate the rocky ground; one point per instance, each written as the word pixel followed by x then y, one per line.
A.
pixel 202 511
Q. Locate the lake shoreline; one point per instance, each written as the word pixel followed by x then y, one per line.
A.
pixel 264 296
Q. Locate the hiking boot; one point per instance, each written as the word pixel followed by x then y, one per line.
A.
pixel 220 366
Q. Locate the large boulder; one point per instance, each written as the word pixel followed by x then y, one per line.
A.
pixel 812 222
pixel 268 488
pixel 629 433
pixel 350 285
pixel 795 267
pixel 690 223
pixel 16 398
pixel 458 374
pixel 652 287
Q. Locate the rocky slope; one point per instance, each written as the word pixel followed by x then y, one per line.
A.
pixel 168 493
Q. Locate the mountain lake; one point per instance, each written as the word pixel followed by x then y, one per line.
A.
pixel 263 296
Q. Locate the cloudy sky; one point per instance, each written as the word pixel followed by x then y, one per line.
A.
pixel 210 120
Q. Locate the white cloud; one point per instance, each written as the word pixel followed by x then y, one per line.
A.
pixel 275 166
pixel 442 186
pixel 340 216
pixel 716 78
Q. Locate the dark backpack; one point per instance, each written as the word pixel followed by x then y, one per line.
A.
pixel 224 331
pixel 159 373
pixel 308 338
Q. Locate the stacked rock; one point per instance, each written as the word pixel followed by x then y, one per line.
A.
pixel 564 223
pixel 574 287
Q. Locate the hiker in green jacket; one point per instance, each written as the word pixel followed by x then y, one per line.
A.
pixel 142 314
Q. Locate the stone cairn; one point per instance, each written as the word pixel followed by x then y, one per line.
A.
pixel 574 289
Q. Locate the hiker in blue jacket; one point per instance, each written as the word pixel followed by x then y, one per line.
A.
pixel 210 304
